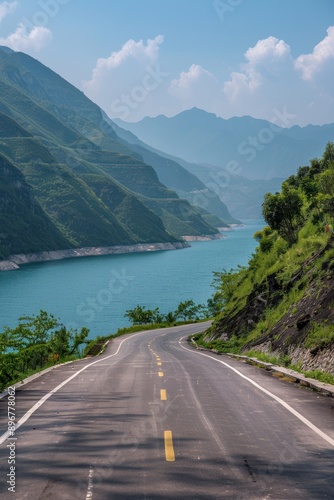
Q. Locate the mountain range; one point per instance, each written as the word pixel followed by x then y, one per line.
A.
pixel 240 159
pixel 68 180
pixel 249 147
pixel 71 177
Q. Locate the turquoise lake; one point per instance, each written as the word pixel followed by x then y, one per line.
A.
pixel 96 291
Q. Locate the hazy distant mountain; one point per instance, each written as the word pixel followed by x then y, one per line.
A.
pixel 224 189
pixel 171 173
pixel 90 188
pixel 252 148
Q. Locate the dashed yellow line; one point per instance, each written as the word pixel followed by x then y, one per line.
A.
pixel 159 364
pixel 161 374
pixel 163 395
pixel 169 448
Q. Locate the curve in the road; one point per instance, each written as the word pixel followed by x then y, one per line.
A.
pixel 309 424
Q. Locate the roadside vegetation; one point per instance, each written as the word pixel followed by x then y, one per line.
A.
pixel 291 270
pixel 38 342
pixel 186 311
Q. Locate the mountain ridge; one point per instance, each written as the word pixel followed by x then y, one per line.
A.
pixel 90 185
pixel 261 149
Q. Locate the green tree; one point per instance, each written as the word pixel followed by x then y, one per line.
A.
pixel 225 283
pixel 142 316
pixel 29 346
pixel 66 342
pixel 282 211
pixel 214 305
pixel 186 310
pixel 4 342
pixel 326 182
pixel 60 342
pixel 157 316
pixel 77 338
pixel 32 330
pixel 265 239
pixel 328 156
pixel 170 318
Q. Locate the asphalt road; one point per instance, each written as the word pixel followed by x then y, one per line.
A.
pixel 153 418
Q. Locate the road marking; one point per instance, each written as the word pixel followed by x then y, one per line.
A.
pixel 159 364
pixel 39 403
pixel 163 395
pixel 169 448
pixel 161 374
pixel 89 495
pixel 270 394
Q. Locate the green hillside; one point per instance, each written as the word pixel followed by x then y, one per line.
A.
pixel 282 304
pixel 24 226
pixel 73 205
pixel 92 187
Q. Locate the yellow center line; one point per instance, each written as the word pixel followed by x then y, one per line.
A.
pixel 161 374
pixel 163 395
pixel 169 448
pixel 159 364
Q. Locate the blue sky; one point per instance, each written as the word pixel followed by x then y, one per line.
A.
pixel 148 57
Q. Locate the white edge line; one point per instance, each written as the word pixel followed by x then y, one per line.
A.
pixel 276 398
pixel 39 403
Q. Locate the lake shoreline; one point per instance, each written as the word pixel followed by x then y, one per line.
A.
pixel 209 237
pixel 14 262
pixel 96 292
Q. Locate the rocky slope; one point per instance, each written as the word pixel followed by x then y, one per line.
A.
pixel 292 336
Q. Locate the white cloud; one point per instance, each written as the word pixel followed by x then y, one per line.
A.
pixel 266 50
pixel 27 41
pixel 242 83
pixel 132 50
pixel 195 75
pixel 125 83
pixel 322 55
pixel 266 61
pixel 196 87
pixel 131 59
pixel 7 8
pixel 130 84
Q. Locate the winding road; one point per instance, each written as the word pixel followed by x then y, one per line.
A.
pixel 153 418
